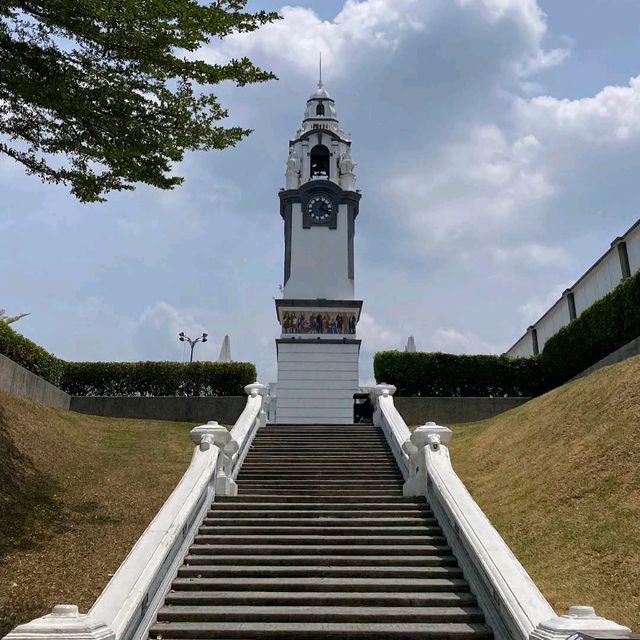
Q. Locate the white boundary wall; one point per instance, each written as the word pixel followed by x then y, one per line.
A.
pixel 622 260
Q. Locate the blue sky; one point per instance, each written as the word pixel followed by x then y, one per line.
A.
pixel 498 149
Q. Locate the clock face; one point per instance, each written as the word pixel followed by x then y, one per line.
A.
pixel 320 208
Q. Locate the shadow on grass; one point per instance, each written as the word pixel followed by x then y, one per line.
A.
pixel 28 505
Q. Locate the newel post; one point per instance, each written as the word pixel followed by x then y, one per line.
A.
pixel 257 389
pixel 429 435
pixel 64 622
pixel 215 434
pixel 382 390
pixel 577 624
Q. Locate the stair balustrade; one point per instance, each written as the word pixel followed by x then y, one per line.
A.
pixel 129 602
pixel 513 605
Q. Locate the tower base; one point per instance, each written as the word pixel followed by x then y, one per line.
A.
pixel 316 380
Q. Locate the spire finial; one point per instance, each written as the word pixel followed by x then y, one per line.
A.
pixel 320 85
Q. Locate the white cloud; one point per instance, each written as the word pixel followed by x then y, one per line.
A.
pixel 531 256
pixel 294 41
pixel 611 116
pixel 158 326
pixel 374 335
pixel 532 310
pixel 367 26
pixel 477 187
pixel 450 340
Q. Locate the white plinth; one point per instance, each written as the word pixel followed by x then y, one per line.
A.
pixel 316 381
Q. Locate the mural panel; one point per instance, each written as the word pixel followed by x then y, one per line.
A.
pixel 320 321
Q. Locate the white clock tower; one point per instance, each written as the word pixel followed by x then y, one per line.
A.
pixel 318 349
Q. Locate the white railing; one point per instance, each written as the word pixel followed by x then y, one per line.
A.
pixel 514 607
pixel 394 427
pixel 127 606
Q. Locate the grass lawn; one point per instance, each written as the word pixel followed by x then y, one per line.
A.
pixel 76 492
pixel 559 477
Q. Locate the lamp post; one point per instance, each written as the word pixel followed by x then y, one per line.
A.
pixel 192 343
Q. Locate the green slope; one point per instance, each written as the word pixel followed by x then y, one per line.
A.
pixel 559 477
pixel 76 492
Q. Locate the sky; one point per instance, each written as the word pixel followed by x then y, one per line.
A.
pixel 498 149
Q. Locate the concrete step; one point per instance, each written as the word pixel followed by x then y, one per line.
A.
pixel 315 598
pixel 329 456
pixel 321 491
pixel 326 482
pixel 321 495
pixel 332 585
pixel 367 463
pixel 283 460
pixel 342 548
pixel 323 442
pixel 313 471
pixel 249 613
pixel 319 530
pixel 323 522
pixel 321 437
pixel 362 501
pixel 409 511
pixel 316 540
pixel 364 436
pixel 253 571
pixel 360 449
pixel 337 473
pixel 325 560
pixel 320 631
pixel 283 470
pixel 330 484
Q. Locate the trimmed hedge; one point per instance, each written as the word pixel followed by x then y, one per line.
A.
pixel 30 355
pixel 445 374
pixel 157 378
pixel 605 326
pixel 127 378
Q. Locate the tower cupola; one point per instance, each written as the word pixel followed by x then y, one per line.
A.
pixel 321 106
pixel 321 150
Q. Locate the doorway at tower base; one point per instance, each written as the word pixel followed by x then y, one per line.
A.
pixel 316 380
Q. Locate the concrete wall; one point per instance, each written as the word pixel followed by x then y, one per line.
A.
pixel 316 381
pixel 602 278
pixel 24 384
pixel 629 350
pixel 224 409
pixel 418 410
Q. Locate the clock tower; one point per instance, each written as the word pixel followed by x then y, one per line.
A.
pixel 318 349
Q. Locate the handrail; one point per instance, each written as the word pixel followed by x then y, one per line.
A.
pixel 248 423
pixel 126 607
pixel 391 422
pixel 513 605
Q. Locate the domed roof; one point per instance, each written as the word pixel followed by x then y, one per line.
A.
pixel 320 93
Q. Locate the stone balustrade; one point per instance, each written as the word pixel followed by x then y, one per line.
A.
pixel 513 605
pixel 127 606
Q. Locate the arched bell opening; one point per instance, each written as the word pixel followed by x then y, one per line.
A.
pixel 320 110
pixel 320 161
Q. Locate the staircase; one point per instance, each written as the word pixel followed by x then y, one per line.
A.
pixel 320 544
